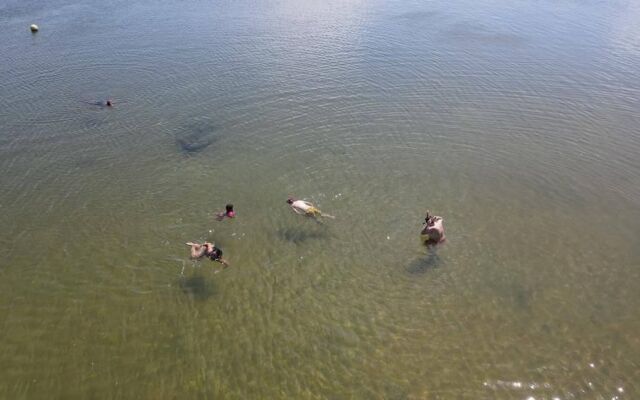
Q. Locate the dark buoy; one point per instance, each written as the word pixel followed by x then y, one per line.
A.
pixel 34 28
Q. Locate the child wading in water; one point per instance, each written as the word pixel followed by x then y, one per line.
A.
pixel 228 212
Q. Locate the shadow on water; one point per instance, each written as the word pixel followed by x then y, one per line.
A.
pixel 196 137
pixel 522 296
pixel 197 287
pixel 423 264
pixel 298 235
pixel 518 295
pixel 515 292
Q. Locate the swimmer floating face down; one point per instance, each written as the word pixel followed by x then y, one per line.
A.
pixel 302 207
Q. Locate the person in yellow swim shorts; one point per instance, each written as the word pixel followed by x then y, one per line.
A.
pixel 305 208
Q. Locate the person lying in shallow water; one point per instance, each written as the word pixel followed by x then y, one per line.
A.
pixel 305 208
pixel 433 230
pixel 207 250
pixel 101 103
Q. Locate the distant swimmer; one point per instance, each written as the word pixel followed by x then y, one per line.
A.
pixel 228 213
pixel 433 230
pixel 101 103
pixel 208 250
pixel 305 208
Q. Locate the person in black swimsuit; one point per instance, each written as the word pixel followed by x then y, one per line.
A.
pixel 207 250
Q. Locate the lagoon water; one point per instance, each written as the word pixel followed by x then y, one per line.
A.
pixel 518 121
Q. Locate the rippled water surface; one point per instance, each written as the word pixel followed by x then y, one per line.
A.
pixel 517 121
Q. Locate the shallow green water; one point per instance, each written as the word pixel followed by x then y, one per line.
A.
pixel 516 122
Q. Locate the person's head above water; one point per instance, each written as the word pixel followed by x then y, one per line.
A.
pixel 229 211
pixel 109 103
pixel 290 200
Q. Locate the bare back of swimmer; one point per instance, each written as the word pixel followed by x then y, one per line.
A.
pixel 207 250
pixel 302 207
pixel 433 230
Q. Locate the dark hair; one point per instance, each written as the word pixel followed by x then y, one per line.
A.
pixel 289 200
pixel 229 207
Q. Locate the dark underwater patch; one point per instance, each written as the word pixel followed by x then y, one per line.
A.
pixel 299 235
pixel 197 287
pixel 419 16
pixel 424 264
pixel 196 137
pixel 473 33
